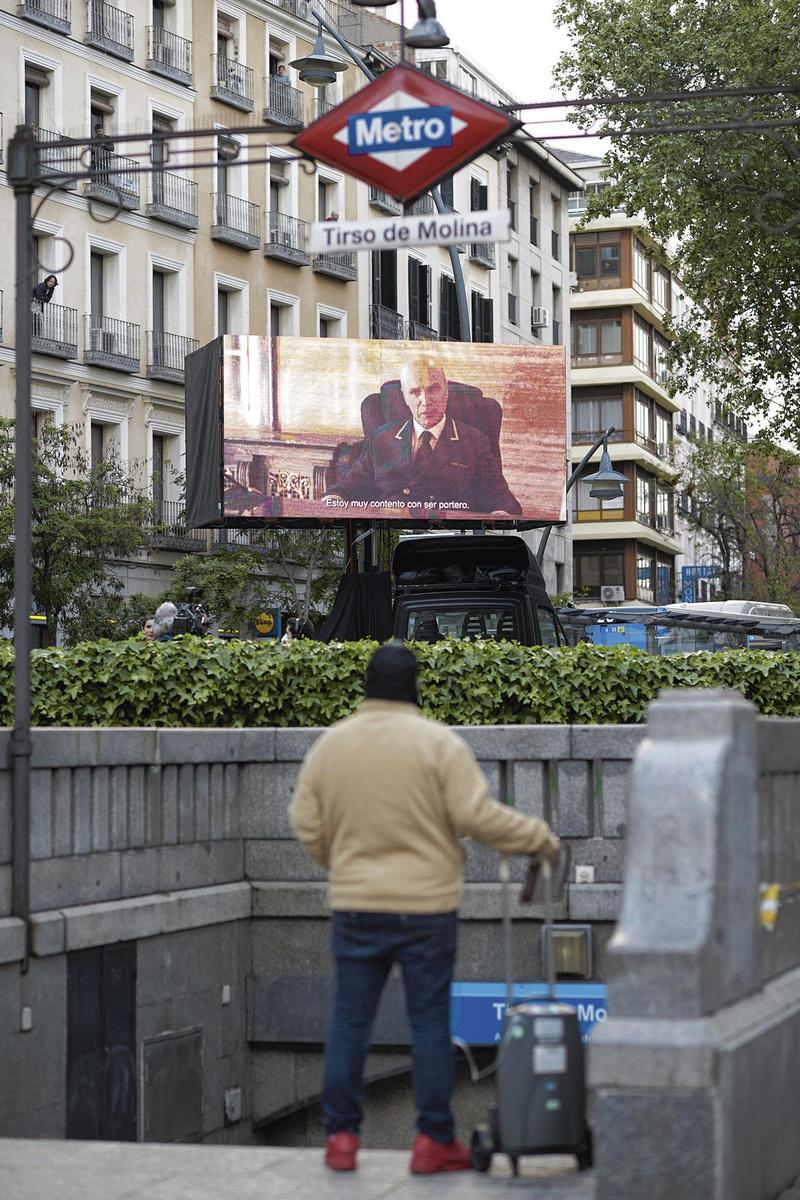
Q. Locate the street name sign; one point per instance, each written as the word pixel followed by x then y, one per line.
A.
pixel 440 229
pixel 404 132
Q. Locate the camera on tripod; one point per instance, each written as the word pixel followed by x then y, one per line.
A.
pixel 192 616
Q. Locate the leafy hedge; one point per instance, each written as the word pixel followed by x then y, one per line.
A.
pixel 207 682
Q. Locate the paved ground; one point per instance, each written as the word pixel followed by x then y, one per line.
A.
pixel 50 1170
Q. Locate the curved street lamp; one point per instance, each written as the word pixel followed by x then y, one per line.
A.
pixel 606 482
pixel 319 68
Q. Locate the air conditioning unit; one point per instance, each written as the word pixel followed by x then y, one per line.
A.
pixel 540 318
pixel 612 595
pixel 573 279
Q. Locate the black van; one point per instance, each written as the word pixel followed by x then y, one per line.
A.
pixel 489 586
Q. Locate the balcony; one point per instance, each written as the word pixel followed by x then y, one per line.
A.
pixel 234 83
pixel 513 309
pixel 423 206
pixel 52 14
pixel 284 103
pixel 54 331
pixel 339 265
pixel 385 323
pixel 482 253
pixel 235 221
pixel 173 199
pixel 109 29
pixel 166 353
pixel 111 343
pixel 115 180
pixel 58 165
pixel 322 107
pixel 169 530
pixel 418 331
pixel 385 202
pixel 287 239
pixel 169 55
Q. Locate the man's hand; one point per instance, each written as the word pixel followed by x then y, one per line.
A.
pixel 550 850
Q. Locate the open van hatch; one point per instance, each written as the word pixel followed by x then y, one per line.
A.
pixel 486 562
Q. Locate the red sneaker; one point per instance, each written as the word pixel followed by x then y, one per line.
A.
pixel 340 1151
pixel 429 1157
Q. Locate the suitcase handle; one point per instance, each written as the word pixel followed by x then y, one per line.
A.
pixel 559 873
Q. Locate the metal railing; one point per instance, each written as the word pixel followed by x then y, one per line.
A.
pixel 339 265
pixel 385 202
pixel 235 220
pixel 587 436
pixel 109 29
pixel 173 199
pixel 385 323
pixel 57 164
pixel 54 330
pixel 423 206
pixel 168 54
pixel 53 14
pixel 482 253
pixel 418 331
pixel 284 103
pixel 233 82
pixel 323 106
pixel 111 343
pixel 287 237
pixel 115 179
pixel 166 353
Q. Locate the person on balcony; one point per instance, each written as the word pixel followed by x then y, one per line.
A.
pixel 42 294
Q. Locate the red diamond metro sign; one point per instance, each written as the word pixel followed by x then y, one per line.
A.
pixel 404 132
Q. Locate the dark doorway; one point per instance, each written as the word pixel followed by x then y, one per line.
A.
pixel 101 1043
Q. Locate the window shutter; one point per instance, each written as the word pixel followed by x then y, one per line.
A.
pixel 413 290
pixel 488 319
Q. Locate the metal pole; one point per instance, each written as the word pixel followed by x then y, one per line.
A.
pixel 573 477
pixel 21 174
pixel 441 207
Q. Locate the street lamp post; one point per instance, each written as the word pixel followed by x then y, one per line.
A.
pixel 606 482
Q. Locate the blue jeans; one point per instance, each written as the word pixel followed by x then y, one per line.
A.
pixel 365 946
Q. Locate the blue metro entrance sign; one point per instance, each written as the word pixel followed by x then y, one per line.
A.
pixel 404 132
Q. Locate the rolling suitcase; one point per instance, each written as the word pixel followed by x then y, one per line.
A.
pixel 541 1089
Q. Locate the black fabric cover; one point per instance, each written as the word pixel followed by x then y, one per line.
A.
pixel 204 436
pixel 363 609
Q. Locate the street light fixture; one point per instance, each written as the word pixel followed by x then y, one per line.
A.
pixel 427 34
pixel 606 482
pixel 319 68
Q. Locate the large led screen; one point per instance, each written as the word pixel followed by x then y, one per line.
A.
pixel 325 429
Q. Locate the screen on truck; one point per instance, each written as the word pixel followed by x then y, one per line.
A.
pixel 321 429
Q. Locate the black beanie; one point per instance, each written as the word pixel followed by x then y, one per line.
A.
pixel 392 674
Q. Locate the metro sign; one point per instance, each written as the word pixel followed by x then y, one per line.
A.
pixel 404 132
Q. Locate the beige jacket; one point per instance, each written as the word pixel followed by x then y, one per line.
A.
pixel 381 801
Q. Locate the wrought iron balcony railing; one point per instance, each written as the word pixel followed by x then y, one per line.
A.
pixel 111 343
pixel 115 179
pixel 482 253
pixel 57 164
pixel 339 265
pixel 418 331
pixel 173 199
pixel 323 106
pixel 284 103
pixel 166 353
pixel 235 221
pixel 54 330
pixel 109 29
pixel 53 14
pixel 286 239
pixel 385 202
pixel 169 525
pixel 233 82
pixel 423 206
pixel 385 323
pixel 169 55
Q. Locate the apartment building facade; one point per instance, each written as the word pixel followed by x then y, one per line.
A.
pixel 175 241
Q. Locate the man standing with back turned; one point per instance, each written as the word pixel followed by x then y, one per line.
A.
pixel 381 801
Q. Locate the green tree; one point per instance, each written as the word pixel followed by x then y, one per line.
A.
pixel 746 501
pixel 232 589
pixel 309 564
pixel 726 203
pixel 83 517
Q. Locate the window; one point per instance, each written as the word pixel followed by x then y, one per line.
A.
pixel 663 507
pixel 597 259
pixel 283 312
pixel 436 67
pixel 511 193
pixel 482 318
pixel 384 278
pixel 660 353
pixel 97 293
pixel 590 508
pixel 643 420
pixel 419 291
pixel 594 569
pixel 665 579
pixel 513 291
pixel 556 324
pixel 595 412
pixel 478 195
pixel 37 81
pixel 159 301
pixel 102 442
pixel 533 206
pixel 597 341
pixel 159 462
pixel 223 321
pixel 469 83
pixel 449 321
pixel 644 497
pixel 102 107
pixel 328 205
pixel 641 268
pixel 232 305
pixel 645 574
pixel 547 626
pixel 661 289
pixel 556 230
pixel 331 322
pixel 642 344
pixel 663 430
pixel 447 189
